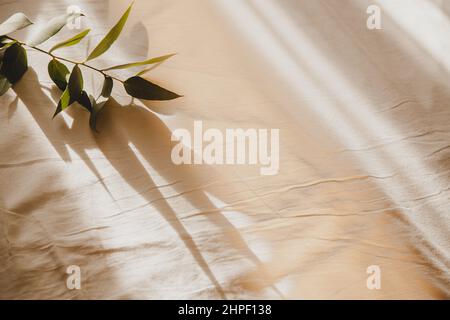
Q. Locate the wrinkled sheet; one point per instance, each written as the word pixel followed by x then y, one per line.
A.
pixel 364 156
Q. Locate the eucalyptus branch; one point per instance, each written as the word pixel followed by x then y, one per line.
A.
pixel 14 64
pixel 84 64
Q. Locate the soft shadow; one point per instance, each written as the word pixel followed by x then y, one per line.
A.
pixel 119 128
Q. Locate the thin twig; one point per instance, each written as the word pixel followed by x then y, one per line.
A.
pixel 65 59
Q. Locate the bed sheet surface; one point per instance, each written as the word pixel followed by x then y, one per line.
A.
pixel 364 156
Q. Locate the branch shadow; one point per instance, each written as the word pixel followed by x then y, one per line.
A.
pixel 120 127
pixel 152 138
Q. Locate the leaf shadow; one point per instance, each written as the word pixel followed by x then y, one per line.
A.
pixel 119 128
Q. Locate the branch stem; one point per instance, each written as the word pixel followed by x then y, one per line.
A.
pixel 65 59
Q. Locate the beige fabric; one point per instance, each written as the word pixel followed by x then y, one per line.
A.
pixel 364 156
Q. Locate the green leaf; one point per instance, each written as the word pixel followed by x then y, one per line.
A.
pixel 65 99
pixel 4 85
pixel 107 87
pixel 58 73
pixel 75 84
pixel 16 22
pixel 4 46
pixel 143 89
pixel 111 37
pixel 52 27
pixel 141 63
pixel 72 41
pixel 97 107
pixel 63 103
pixel 73 91
pixel 84 101
pixel 15 63
pixel 7 44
